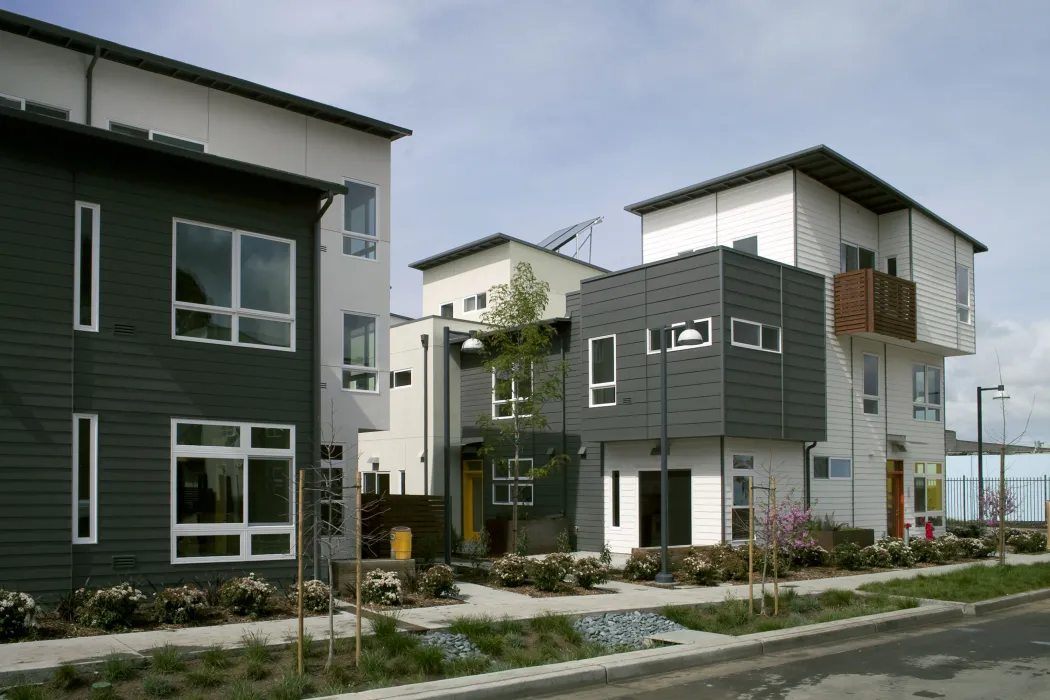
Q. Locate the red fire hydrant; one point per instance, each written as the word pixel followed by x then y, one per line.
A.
pixel 929 530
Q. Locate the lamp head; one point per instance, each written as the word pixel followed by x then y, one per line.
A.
pixel 690 336
pixel 471 344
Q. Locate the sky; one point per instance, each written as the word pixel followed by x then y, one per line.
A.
pixel 531 116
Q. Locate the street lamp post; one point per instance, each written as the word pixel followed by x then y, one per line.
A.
pixel 471 344
pixel 980 449
pixel 689 337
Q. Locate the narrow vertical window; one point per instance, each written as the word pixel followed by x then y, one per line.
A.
pixel 871 384
pixel 891 266
pixel 962 294
pixel 616 499
pixel 602 361
pixel 85 479
pixel 403 489
pixel 85 267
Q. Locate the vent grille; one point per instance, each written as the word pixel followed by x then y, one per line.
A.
pixel 626 400
pixel 124 561
pixel 324 249
pixel 125 329
pixel 324 385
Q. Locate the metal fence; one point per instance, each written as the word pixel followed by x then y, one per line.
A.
pixel 1030 494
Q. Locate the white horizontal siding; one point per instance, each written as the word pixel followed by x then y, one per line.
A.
pixel 869 442
pixel 894 242
pixel 684 227
pixel 772 458
pixel 700 456
pixel 859 225
pixel 964 257
pixel 933 248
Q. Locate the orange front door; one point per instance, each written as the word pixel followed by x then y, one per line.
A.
pixel 895 498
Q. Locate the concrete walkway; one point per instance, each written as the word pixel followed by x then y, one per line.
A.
pixel 25 657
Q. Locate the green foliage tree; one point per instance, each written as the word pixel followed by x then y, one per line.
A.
pixel 517 351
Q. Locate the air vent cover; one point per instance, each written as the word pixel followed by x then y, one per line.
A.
pixel 626 400
pixel 124 561
pixel 324 385
pixel 324 249
pixel 123 329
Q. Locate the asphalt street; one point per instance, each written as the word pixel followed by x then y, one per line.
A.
pixel 1004 656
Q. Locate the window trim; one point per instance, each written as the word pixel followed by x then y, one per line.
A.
pixel 514 400
pixel 393 375
pixel 510 485
pixel 649 350
pixel 359 368
pixel 476 309
pixel 530 460
pixel 591 386
pixel 748 474
pixel 234 311
pixel 151 132
pixel 926 477
pixel 355 234
pixel 23 102
pixel 761 326
pixel 375 474
pixel 96 230
pixel 969 295
pixel 245 530
pixel 865 396
pixel 925 402
pixel 93 471
pixel 829 477
pixel 842 256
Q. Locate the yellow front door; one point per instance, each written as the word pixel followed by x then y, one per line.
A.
pixel 473 498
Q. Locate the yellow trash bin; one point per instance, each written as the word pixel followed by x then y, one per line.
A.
pixel 401 542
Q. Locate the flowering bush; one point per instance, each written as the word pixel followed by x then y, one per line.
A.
pixel 549 572
pixel 510 570
pixel 109 608
pixel 590 572
pixel 381 588
pixel 1027 542
pixel 949 547
pixel 180 604
pixel 876 556
pixel 901 555
pixel 315 596
pixel 926 551
pixel 249 595
pixel 700 570
pixel 17 614
pixel 438 582
pixel 974 548
pixel 848 556
pixel 991 507
pixel 643 566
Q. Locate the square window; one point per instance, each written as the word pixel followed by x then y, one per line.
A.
pixel 272 438
pixel 771 338
pixel 469 304
pixel 840 468
pixel 332 453
pixel 271 544
pixel 743 462
pixel 359 247
pixel 400 378
pixel 746 333
pixel 820 468
pixel 446 311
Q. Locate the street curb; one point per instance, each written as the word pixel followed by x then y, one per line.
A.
pixel 615 668
pixel 983 607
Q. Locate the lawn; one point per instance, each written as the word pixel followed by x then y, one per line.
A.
pixel 732 616
pixel 970 584
pixel 260 672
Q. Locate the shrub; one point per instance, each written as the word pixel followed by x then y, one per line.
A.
pixel 1027 542
pixel 606 556
pixel 729 561
pixel 315 596
pixel 110 608
pixel 848 556
pixel 67 677
pixel 381 588
pixel 476 549
pixel 974 548
pixel 809 555
pixel 510 570
pixel 642 566
pixel 438 582
pixel 565 542
pixel 590 572
pixel 549 572
pixel 901 555
pixel 876 556
pixel 181 604
pixel 698 567
pixel 17 614
pixel 949 547
pixel 249 595
pixel 965 530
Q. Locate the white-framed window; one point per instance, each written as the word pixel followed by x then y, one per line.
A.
pixel 34 107
pixel 601 370
pixel 503 482
pixel 87 229
pixel 447 310
pixel 963 298
pixel 926 392
pixel 360 219
pixel 400 378
pixel 744 462
pixel 929 493
pixel 332 452
pixel 702 326
pixel 232 287
pixel 871 384
pixel 375 482
pixel 359 353
pixel 475 302
pixel 856 258
pixel 232 487
pixel 832 468
pixel 85 478
pixel 331 504
pixel 508 395
pixel 740 517
pixel 139 132
pixel 757 336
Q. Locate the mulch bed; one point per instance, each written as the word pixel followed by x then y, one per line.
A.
pixel 563 590
pixel 410 603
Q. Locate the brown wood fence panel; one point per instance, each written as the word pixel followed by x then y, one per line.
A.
pixel 425 515
pixel 869 301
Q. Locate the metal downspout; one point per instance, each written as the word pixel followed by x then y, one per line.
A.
pixel 90 83
pixel 805 467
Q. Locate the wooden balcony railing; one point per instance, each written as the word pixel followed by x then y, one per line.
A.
pixel 869 301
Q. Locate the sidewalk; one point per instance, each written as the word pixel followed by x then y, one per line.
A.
pixel 478 600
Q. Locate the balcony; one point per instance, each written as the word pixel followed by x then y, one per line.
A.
pixel 869 301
